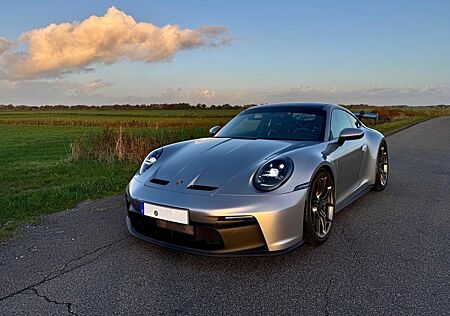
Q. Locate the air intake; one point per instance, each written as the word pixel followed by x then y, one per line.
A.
pixel 201 187
pixel 159 181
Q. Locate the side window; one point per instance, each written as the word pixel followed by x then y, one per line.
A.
pixel 339 121
pixel 354 122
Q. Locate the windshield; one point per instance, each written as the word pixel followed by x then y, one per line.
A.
pixel 288 123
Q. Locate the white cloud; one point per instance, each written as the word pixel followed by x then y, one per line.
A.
pixel 4 45
pixel 373 95
pixel 177 95
pixel 61 48
pixel 60 91
pixel 203 94
pixel 90 87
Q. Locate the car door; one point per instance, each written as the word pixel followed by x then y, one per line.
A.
pixel 348 157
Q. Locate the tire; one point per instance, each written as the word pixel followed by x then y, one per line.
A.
pixel 382 170
pixel 319 208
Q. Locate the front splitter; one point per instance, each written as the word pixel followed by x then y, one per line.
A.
pixel 212 253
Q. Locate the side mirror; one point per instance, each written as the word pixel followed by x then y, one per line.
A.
pixel 213 131
pixel 350 134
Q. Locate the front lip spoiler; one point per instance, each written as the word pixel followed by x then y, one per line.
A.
pixel 217 253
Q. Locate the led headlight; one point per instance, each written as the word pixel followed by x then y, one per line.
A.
pixel 273 174
pixel 150 160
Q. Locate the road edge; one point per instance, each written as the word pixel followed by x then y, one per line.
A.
pixel 408 126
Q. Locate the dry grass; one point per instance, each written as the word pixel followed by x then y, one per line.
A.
pixel 120 118
pixel 387 114
pixel 170 122
pixel 398 114
pixel 117 144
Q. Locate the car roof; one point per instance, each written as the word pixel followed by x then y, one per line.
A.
pixel 311 105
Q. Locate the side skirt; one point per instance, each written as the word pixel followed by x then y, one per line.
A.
pixel 353 197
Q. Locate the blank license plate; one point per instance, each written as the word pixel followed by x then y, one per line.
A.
pixel 170 214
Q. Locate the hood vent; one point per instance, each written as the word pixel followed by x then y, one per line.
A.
pixel 159 181
pixel 201 187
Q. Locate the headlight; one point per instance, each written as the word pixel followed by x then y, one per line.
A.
pixel 273 174
pixel 150 160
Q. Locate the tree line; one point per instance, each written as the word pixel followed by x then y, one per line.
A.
pixel 156 106
pixel 163 106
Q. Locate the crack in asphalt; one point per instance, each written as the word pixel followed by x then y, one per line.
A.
pixel 358 264
pixel 68 305
pixel 99 251
pixel 64 269
pixel 327 290
pixel 325 309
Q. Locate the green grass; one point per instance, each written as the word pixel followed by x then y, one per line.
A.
pixel 36 177
pixel 399 124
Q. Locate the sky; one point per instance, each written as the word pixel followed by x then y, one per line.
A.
pixel 236 52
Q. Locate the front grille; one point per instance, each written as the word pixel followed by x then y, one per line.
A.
pixel 204 238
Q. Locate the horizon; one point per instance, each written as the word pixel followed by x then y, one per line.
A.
pixel 115 52
pixel 180 105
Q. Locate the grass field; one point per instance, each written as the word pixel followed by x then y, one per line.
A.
pixel 38 177
pixel 35 177
pixel 116 118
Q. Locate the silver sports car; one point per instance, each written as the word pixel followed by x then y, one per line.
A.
pixel 270 179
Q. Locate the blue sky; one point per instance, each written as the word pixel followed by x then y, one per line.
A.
pixel 379 52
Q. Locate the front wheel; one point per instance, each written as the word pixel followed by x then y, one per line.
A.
pixel 319 209
pixel 382 168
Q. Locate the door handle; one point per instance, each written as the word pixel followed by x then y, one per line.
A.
pixel 364 147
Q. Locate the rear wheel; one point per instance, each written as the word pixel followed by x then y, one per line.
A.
pixel 381 176
pixel 319 209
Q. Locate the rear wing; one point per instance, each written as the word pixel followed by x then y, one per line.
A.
pixel 363 115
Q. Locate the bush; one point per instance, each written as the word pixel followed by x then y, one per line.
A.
pixel 387 114
pixel 112 144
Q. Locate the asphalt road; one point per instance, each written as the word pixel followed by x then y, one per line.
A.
pixel 388 254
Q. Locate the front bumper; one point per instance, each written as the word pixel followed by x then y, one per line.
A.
pixel 275 225
pixel 207 239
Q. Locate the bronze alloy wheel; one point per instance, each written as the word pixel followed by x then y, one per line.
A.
pixel 382 171
pixel 383 164
pixel 320 208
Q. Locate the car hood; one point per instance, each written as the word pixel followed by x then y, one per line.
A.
pixel 203 166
